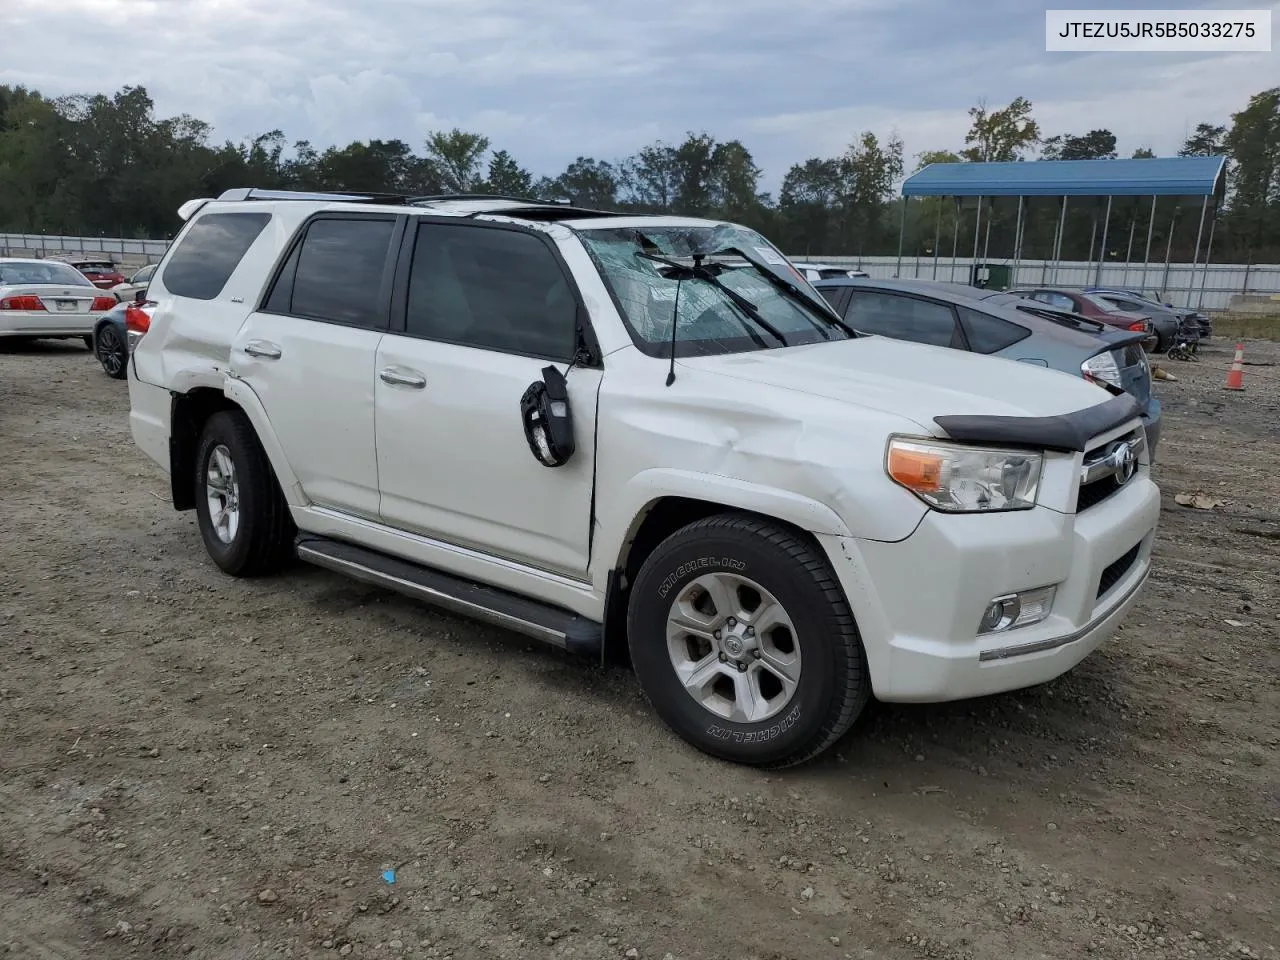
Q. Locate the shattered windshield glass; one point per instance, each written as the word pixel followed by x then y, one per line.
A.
pixel 744 296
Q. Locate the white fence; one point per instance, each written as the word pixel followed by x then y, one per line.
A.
pixel 1180 283
pixel 26 244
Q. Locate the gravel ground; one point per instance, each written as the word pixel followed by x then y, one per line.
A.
pixel 199 767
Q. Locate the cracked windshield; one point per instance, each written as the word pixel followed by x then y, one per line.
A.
pixel 736 292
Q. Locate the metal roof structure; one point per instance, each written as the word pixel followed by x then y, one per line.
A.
pixel 1157 176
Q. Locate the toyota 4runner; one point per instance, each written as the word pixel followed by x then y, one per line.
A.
pixel 641 434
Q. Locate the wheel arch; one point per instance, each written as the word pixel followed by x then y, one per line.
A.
pixel 660 502
pixel 189 413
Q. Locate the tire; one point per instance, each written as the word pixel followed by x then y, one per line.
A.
pixel 256 537
pixel 112 353
pixel 759 561
pixel 88 342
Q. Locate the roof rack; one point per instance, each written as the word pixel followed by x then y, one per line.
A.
pixel 479 196
pixel 257 193
pixel 526 208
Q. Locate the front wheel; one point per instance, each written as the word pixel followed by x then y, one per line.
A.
pixel 244 519
pixel 744 643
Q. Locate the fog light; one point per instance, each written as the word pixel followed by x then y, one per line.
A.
pixel 1017 610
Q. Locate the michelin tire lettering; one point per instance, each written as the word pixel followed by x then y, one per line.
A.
pixel 702 563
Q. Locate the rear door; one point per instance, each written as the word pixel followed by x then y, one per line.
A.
pixel 309 351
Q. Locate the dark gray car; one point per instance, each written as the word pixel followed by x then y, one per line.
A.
pixel 992 322
pixel 1164 318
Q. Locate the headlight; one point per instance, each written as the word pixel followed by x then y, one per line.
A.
pixel 962 479
pixel 1102 370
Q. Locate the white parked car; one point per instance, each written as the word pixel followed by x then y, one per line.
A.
pixel 46 299
pixel 477 402
pixel 135 284
pixel 825 271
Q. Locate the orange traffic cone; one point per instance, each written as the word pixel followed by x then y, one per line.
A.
pixel 1235 378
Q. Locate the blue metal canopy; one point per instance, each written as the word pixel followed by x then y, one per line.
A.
pixel 1157 176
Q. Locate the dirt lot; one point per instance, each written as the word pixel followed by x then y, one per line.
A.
pixel 195 766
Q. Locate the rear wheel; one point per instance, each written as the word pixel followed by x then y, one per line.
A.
pixel 743 642
pixel 112 353
pixel 244 519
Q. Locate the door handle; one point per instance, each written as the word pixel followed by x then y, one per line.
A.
pixel 263 349
pixel 393 376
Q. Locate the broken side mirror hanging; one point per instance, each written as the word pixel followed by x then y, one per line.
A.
pixel 547 419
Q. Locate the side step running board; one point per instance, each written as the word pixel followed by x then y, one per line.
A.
pixel 563 629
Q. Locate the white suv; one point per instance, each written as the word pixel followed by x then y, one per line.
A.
pixel 476 401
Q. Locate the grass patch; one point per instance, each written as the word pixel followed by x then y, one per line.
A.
pixel 1246 326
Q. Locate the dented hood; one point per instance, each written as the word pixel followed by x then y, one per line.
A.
pixel 910 380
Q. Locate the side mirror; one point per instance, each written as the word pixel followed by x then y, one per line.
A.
pixel 140 296
pixel 547 419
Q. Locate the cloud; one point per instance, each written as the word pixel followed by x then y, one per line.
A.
pixel 549 82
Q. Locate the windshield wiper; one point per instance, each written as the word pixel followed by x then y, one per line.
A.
pixel 700 272
pixel 828 314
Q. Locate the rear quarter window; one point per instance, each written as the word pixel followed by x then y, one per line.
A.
pixel 988 334
pixel 209 253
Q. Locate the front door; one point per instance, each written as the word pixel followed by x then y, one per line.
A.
pixel 309 354
pixel 487 307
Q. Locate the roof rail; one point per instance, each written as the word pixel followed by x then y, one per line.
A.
pixel 257 193
pixel 525 208
pixel 480 196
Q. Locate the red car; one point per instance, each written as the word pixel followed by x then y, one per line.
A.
pixel 1088 305
pixel 103 274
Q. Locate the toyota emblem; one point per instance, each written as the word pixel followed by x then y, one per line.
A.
pixel 1125 460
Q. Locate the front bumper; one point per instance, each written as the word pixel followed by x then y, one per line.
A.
pixel 918 602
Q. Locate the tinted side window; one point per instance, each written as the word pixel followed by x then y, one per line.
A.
pixel 339 273
pixel 904 318
pixel 210 252
pixel 834 296
pixel 987 334
pixel 491 288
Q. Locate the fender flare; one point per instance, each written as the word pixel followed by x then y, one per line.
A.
pixel 243 396
pixel 649 486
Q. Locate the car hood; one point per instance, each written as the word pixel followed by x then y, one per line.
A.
pixel 910 380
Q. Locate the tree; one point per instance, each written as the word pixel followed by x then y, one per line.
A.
pixel 1254 145
pixel 454 158
pixel 651 178
pixel 1001 135
pixel 1207 141
pixel 1144 153
pixel 584 183
pixel 735 182
pixel 1094 145
pixel 807 202
pixel 380 166
pixel 508 178
pixel 927 157
pixel 34 163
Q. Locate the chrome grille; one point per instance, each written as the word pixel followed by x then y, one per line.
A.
pixel 1106 469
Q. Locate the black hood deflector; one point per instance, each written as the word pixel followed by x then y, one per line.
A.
pixel 1070 432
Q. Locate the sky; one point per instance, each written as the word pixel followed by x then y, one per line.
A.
pixel 551 81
